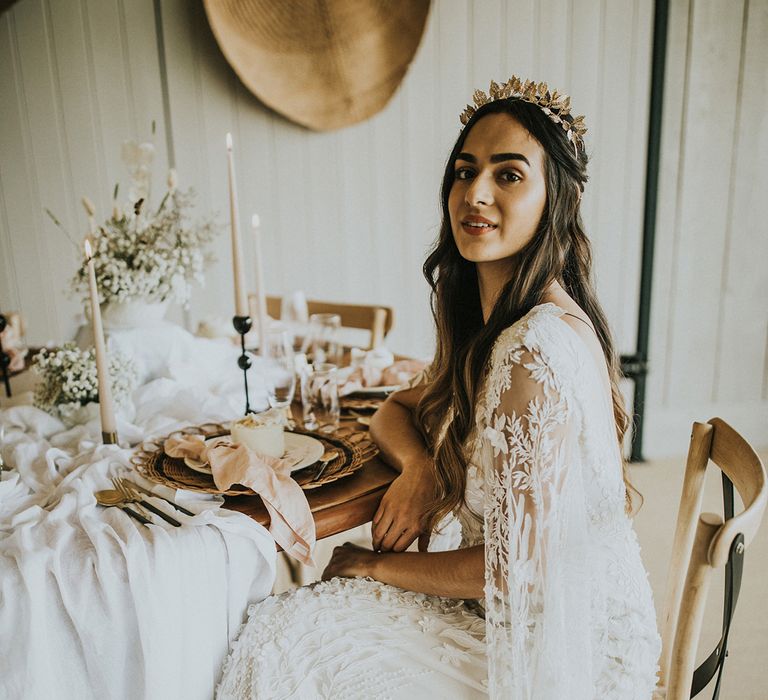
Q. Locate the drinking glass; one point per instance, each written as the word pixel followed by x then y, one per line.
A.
pixel 280 376
pixel 322 344
pixel 320 397
pixel 294 314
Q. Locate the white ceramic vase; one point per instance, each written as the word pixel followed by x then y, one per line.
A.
pixel 72 414
pixel 132 314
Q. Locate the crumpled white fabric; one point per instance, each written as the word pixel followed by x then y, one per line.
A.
pixel 92 603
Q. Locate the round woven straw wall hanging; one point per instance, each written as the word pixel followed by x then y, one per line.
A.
pixel 324 64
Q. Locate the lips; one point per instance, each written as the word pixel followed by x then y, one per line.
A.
pixel 477 225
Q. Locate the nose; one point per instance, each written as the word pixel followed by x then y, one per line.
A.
pixel 479 192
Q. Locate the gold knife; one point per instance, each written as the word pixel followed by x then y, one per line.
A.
pixel 147 492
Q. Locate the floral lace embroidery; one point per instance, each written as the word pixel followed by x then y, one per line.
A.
pixel 561 556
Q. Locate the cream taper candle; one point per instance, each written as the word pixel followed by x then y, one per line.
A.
pixel 106 408
pixel 241 295
pixel 261 296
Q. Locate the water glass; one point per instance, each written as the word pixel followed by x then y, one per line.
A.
pixel 320 397
pixel 280 376
pixel 294 314
pixel 322 344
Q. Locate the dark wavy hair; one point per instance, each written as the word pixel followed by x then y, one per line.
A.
pixel 558 251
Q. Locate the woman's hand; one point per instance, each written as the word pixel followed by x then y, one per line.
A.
pixel 349 560
pixel 399 519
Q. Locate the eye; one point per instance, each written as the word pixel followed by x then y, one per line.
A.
pixel 510 176
pixel 463 173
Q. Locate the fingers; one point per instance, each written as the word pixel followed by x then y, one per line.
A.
pixel 393 534
pixel 379 514
pixel 405 540
pixel 379 531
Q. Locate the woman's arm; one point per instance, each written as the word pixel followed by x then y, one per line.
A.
pixel 399 518
pixel 456 574
pixel 393 430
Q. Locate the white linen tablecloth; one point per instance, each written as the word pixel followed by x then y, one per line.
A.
pixel 92 603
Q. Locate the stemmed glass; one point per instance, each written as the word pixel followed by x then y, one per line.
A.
pixel 280 375
pixel 322 344
pixel 294 315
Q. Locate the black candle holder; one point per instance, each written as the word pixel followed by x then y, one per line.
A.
pixel 242 325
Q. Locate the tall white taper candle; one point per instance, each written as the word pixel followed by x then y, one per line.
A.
pixel 241 295
pixel 260 293
pixel 106 408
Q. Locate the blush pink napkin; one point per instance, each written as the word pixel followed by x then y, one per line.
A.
pixel 367 376
pixel 291 521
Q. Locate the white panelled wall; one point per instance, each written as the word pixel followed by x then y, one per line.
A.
pixel 349 215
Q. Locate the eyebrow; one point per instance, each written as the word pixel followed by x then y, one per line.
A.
pixel 495 158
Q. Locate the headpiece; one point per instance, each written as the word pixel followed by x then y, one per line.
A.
pixel 556 106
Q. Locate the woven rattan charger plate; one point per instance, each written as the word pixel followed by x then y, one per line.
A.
pixel 355 449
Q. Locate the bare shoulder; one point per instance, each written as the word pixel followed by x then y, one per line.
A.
pixel 579 321
pixel 408 397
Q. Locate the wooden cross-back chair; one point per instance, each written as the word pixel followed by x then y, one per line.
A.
pixel 705 542
pixel 376 319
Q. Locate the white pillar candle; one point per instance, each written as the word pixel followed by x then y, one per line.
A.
pixel 241 295
pixel 261 296
pixel 106 408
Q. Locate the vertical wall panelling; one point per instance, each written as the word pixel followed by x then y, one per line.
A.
pixel 553 42
pixel 13 182
pixel 422 161
pixel 142 71
pixel 520 38
pixel 635 149
pixel 710 123
pixel 611 167
pixel 201 89
pixel 78 149
pixel 36 109
pixel 587 47
pixel 105 92
pixel 486 43
pixel 741 329
pixel 163 67
pixel 671 180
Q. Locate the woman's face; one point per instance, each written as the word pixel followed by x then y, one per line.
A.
pixel 499 191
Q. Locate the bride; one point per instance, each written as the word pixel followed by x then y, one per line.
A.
pixel 508 453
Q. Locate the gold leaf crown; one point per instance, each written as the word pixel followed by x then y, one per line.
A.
pixel 556 106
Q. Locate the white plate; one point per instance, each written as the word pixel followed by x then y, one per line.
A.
pixel 293 441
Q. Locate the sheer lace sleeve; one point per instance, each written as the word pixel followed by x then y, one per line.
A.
pixel 536 576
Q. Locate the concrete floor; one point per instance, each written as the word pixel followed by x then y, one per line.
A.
pixel 744 674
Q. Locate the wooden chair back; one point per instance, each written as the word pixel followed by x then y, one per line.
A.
pixel 376 319
pixel 703 543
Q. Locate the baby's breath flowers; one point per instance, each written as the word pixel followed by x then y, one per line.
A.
pixel 149 256
pixel 67 378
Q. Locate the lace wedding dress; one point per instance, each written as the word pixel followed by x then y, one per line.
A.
pixel 567 611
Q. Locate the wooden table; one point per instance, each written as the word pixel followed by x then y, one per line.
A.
pixel 337 506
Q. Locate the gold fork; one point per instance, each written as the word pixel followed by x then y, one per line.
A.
pixel 132 496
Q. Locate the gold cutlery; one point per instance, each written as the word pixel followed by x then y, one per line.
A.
pixel 110 497
pixel 138 487
pixel 133 497
pixel 360 418
pixel 325 460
